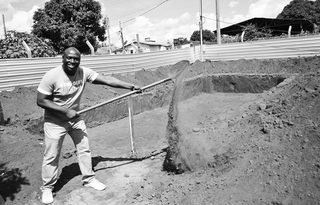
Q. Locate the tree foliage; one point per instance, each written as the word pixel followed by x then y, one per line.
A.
pixel 302 9
pixel 180 41
pixel 207 36
pixel 12 47
pixel 70 23
pixel 252 33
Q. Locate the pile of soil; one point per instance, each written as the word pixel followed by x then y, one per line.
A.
pixel 271 151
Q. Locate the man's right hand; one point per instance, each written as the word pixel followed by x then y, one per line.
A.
pixel 71 114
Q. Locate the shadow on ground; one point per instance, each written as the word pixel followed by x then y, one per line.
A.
pixel 73 170
pixel 11 181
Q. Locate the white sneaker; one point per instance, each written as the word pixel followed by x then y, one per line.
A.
pixel 94 183
pixel 47 197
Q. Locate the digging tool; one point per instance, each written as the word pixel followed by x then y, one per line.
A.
pixel 130 111
pixel 135 91
pixel 130 107
pixel 123 96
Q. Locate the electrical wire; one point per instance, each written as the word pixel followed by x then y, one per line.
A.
pixel 221 21
pixel 115 2
pixel 133 11
pixel 146 11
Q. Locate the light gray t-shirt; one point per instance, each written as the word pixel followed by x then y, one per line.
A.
pixel 66 90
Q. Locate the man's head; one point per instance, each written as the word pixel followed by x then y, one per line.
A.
pixel 71 60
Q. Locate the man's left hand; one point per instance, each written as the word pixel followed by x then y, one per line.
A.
pixel 136 87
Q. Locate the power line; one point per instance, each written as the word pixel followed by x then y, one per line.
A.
pixel 115 2
pixel 219 20
pixel 146 11
pixel 131 12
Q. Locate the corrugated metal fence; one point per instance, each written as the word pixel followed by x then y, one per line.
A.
pixel 28 72
pixel 265 49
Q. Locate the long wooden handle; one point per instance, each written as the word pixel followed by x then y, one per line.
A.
pixel 123 96
pixel 130 113
pixel 135 91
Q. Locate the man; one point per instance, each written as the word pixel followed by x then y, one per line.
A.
pixel 59 95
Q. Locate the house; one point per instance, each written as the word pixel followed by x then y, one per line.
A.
pixel 144 46
pixel 277 26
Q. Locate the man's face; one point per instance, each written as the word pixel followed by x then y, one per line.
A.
pixel 71 61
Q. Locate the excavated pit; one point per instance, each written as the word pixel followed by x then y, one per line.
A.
pixel 164 94
pixel 161 96
pixel 186 152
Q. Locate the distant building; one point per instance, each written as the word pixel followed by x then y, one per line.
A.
pixel 144 46
pixel 277 26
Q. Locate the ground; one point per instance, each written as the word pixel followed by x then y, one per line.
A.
pixel 240 146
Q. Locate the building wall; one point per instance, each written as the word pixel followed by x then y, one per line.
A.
pixel 130 49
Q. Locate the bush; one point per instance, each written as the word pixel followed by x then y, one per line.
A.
pixel 12 47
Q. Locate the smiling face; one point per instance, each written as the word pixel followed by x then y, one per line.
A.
pixel 71 60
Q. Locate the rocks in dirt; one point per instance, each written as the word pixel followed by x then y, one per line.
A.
pixel 289 123
pixel 309 90
pixel 258 106
pixel 196 129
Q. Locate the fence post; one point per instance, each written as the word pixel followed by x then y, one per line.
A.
pixel 289 31
pixel 90 46
pixel 242 36
pixel 25 45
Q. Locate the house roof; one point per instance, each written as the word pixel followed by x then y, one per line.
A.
pixel 278 26
pixel 150 43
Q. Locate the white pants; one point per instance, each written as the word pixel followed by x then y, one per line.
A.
pixel 54 136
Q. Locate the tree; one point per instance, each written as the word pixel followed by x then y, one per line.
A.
pixel 207 36
pixel 180 41
pixel 70 23
pixel 12 46
pixel 302 9
pixel 251 33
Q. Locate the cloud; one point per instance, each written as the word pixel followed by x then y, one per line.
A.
pixel 7 10
pixel 266 8
pixel 261 8
pixel 17 20
pixel 22 20
pixel 185 16
pixel 5 3
pixel 233 3
pixel 160 31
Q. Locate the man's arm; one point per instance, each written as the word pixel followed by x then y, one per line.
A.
pixel 114 82
pixel 45 102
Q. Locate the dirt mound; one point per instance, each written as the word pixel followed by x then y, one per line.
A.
pixel 265 153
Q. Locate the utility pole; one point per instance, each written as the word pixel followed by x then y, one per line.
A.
pixel 200 30
pixel 138 42
pixel 108 32
pixel 121 35
pixel 218 22
pixel 4 26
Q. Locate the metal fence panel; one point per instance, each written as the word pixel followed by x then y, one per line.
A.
pixel 29 71
pixel 265 49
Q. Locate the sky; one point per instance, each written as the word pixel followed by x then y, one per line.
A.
pixel 159 20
